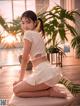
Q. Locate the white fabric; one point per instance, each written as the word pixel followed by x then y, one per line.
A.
pixel 38 46
pixel 44 101
pixel 44 73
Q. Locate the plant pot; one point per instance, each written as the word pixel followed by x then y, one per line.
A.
pixel 52 50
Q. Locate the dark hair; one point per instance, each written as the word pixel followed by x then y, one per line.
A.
pixel 41 26
pixel 31 15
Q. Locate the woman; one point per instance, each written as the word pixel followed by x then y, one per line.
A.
pixel 44 76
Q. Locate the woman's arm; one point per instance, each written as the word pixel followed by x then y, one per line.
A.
pixel 25 58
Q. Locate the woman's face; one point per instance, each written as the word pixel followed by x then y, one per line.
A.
pixel 27 24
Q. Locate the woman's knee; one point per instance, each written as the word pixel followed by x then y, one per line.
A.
pixel 21 87
pixel 15 89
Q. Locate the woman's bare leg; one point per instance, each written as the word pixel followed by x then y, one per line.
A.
pixel 43 93
pixel 25 87
pixel 50 92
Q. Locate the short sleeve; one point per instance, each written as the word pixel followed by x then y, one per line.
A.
pixel 28 36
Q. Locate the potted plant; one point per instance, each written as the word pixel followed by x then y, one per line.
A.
pixel 56 26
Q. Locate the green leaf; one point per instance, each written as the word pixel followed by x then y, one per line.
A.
pixel 49 41
pixel 75 41
pixel 72 30
pixel 74 88
pixel 62 34
pixel 4 24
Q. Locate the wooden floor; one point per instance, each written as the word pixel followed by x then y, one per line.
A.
pixel 70 69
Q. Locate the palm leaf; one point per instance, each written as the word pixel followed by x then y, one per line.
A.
pixel 49 41
pixel 75 12
pixel 71 29
pixel 75 41
pixel 74 88
pixel 4 24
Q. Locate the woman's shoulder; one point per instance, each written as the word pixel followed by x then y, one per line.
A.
pixel 28 33
pixel 31 35
pixel 31 32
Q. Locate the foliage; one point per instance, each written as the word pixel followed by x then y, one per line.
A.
pixel 15 26
pixel 56 24
pixel 11 27
pixel 3 23
pixel 76 44
pixel 74 88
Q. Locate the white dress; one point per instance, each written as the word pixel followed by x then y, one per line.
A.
pixel 44 72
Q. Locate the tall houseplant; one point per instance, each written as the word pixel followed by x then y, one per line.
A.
pixel 56 25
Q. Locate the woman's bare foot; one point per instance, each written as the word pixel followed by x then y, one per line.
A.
pixel 56 92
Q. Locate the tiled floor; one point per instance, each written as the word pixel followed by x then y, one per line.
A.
pixel 70 69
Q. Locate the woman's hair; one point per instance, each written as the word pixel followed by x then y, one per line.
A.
pixel 31 15
pixel 41 26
